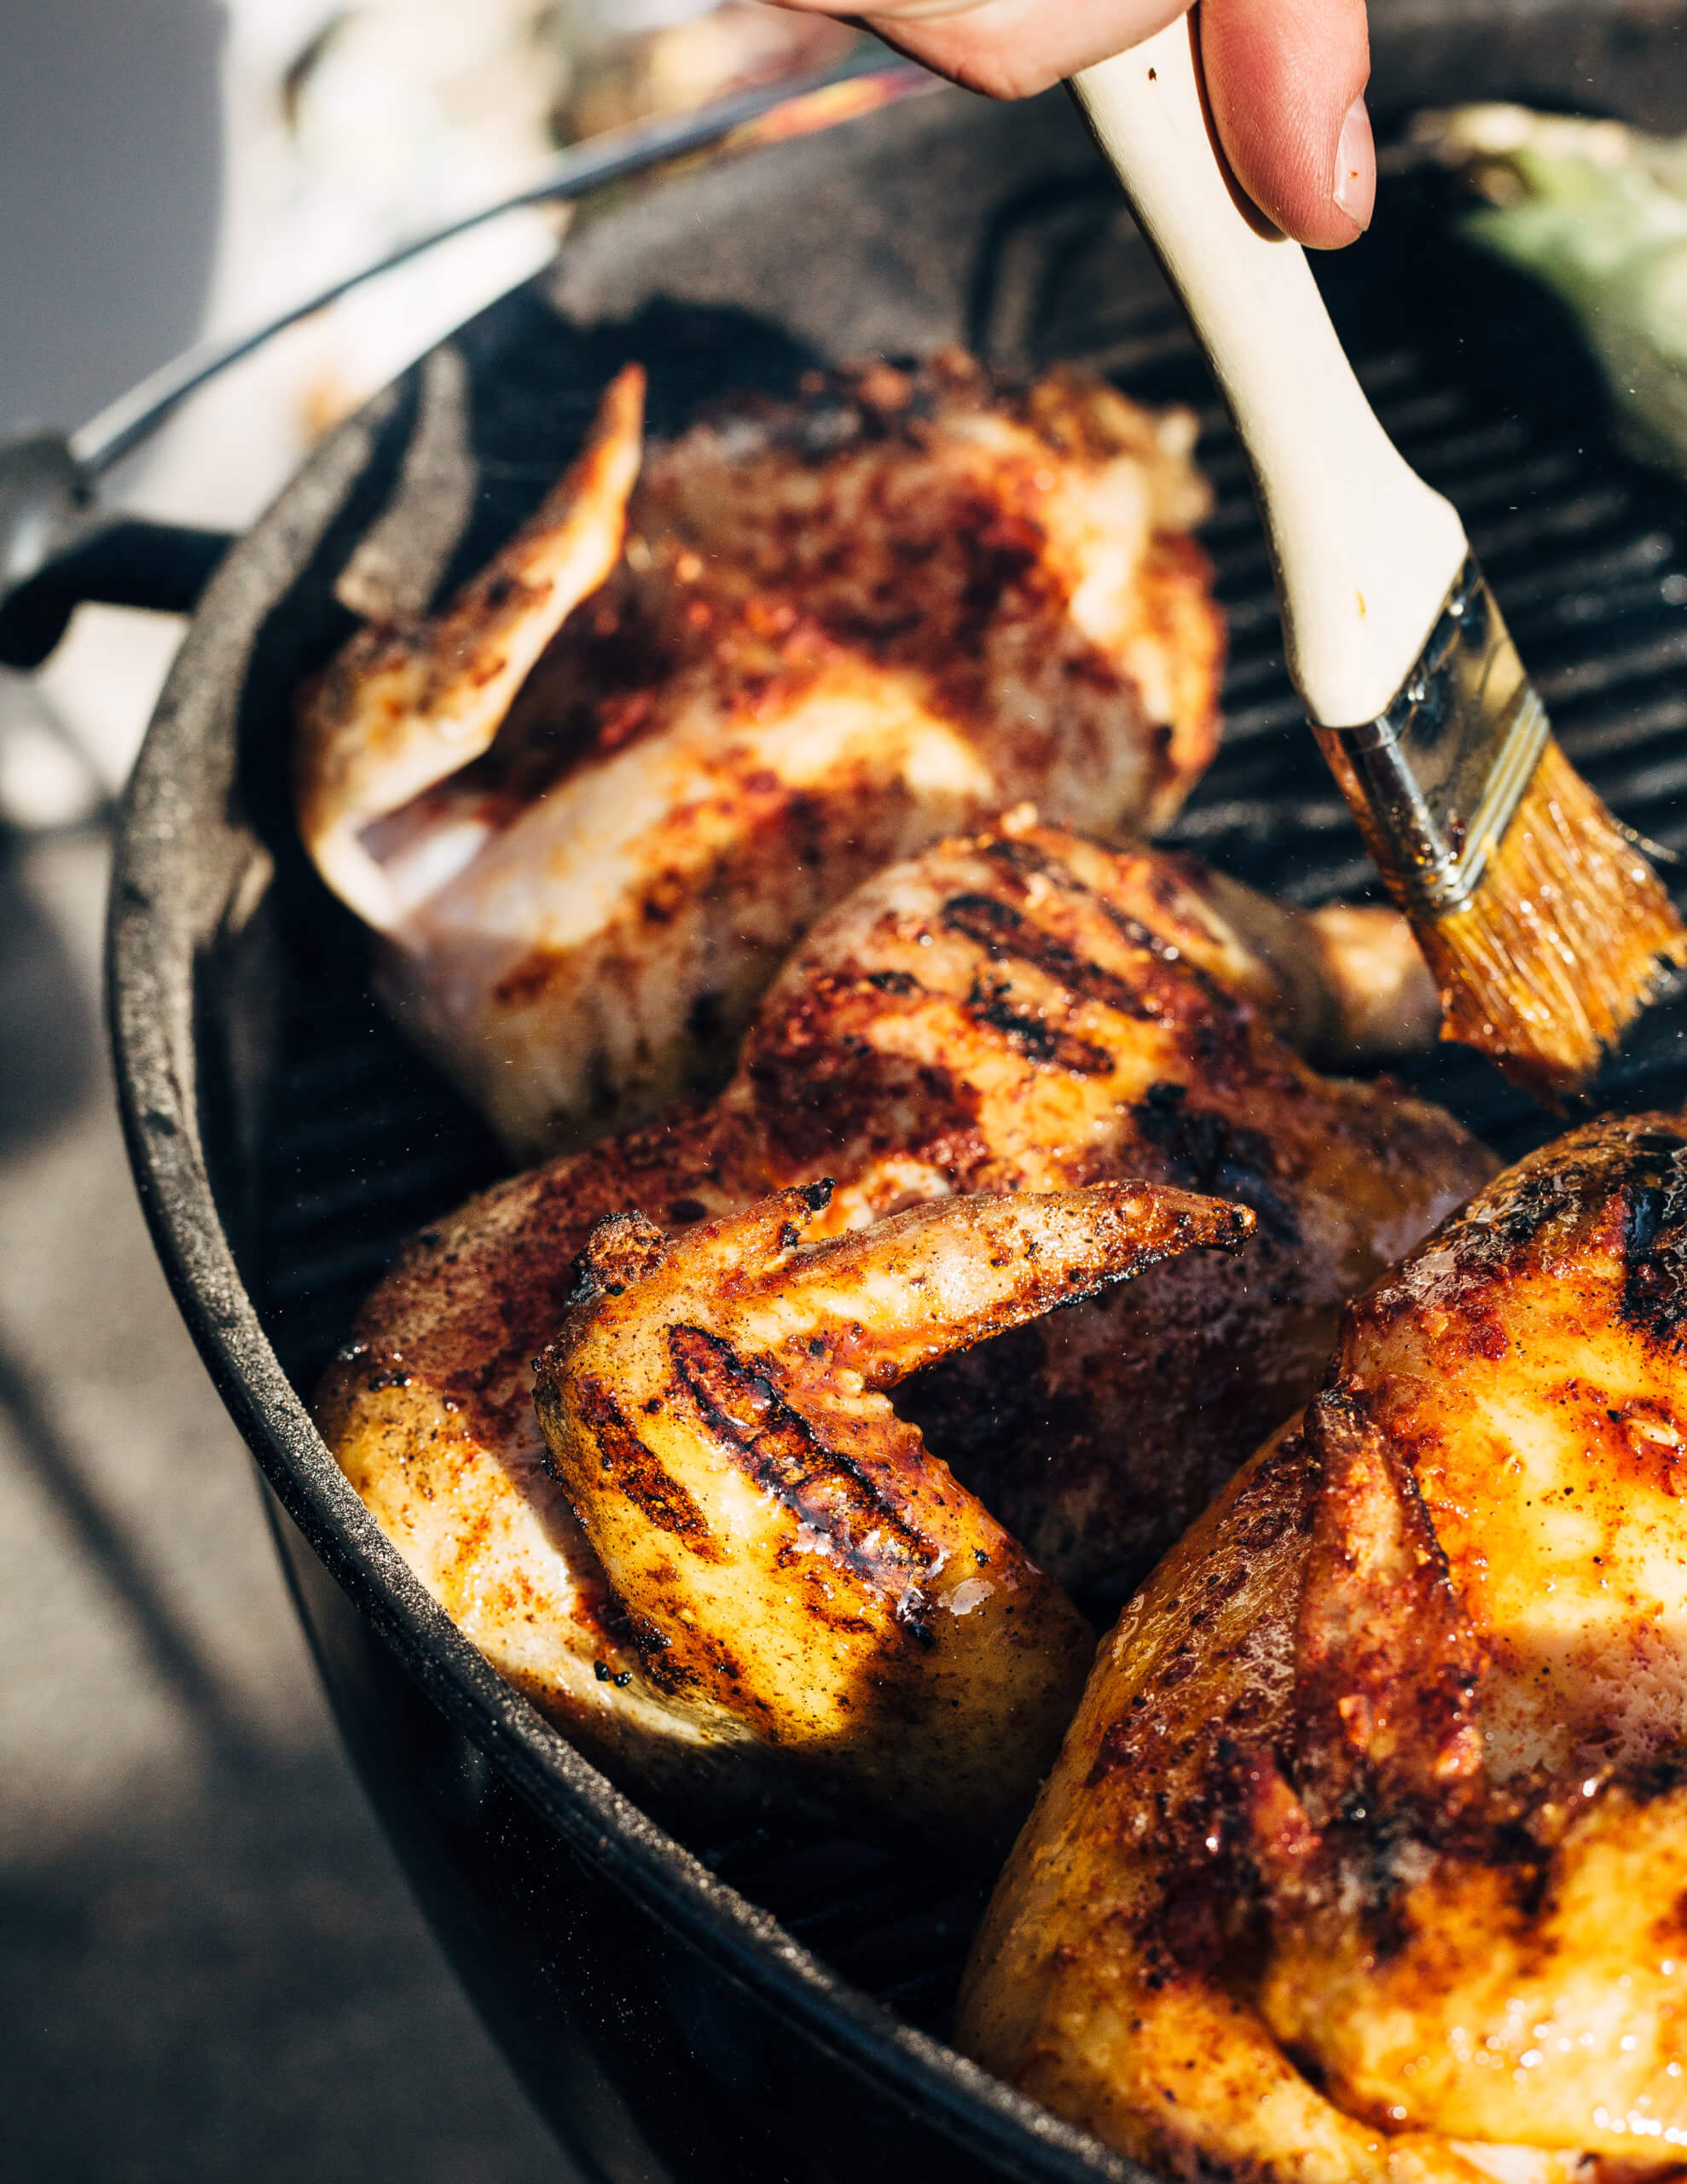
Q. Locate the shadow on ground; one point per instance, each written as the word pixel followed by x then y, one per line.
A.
pixel 226 1982
pixel 210 1969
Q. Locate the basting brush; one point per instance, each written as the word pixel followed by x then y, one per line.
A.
pixel 1545 926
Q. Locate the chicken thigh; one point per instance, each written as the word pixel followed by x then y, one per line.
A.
pixel 709 689
pixel 1367 1855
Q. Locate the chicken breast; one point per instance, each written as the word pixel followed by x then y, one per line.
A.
pixel 707 691
pixel 1365 1855
pixel 1143 1027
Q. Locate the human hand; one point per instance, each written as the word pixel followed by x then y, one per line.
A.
pixel 1285 79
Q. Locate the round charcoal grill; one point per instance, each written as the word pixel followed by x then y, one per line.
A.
pixel 774 2006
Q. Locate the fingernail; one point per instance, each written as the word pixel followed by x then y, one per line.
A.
pixel 1355 190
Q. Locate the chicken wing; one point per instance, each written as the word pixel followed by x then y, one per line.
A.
pixel 839 627
pixel 429 1412
pixel 785 1549
pixel 911 1059
pixel 1367 1855
pixel 768 1583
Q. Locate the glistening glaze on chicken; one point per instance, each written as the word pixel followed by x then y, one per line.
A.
pixel 694 703
pixel 911 1061
pixel 1026 1010
pixel 785 1549
pixel 775 1588
pixel 1366 1856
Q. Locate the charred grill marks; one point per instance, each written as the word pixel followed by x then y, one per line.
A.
pixel 1205 1152
pixel 990 1002
pixel 828 1493
pixel 1654 1240
pixel 1002 932
pixel 1024 860
pixel 664 1500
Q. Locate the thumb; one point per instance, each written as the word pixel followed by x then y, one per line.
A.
pixel 1286 79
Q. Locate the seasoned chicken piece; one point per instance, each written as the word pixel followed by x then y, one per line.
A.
pixel 429 1412
pixel 787 1554
pixel 1027 1010
pixel 777 1461
pixel 1365 1857
pixel 839 628
pixel 911 1060
pixel 407 705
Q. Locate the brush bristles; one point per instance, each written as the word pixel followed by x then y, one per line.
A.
pixel 1562 943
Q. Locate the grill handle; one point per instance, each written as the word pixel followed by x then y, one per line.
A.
pixel 58 549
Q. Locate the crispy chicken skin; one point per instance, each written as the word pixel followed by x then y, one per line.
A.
pixel 429 1412
pixel 1367 1855
pixel 912 1058
pixel 698 1515
pixel 1029 1011
pixel 785 1549
pixel 797 643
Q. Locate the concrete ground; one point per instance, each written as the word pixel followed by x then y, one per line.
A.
pixel 209 1966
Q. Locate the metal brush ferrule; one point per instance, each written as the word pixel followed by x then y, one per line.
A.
pixel 1434 780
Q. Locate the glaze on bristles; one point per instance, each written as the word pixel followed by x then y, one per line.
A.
pixel 1564 942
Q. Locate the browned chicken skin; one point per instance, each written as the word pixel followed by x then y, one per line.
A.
pixel 1367 1855
pixel 708 690
pixel 1017 1011
pixel 788 1552
pixel 1030 1011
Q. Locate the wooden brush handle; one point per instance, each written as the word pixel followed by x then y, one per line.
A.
pixel 1363 551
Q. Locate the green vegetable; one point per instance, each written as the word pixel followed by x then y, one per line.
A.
pixel 1599 213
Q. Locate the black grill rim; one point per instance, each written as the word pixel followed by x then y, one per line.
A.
pixel 181 860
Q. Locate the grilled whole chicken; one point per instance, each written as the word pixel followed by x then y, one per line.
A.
pixel 910 1055
pixel 787 1553
pixel 706 691
pixel 1367 1855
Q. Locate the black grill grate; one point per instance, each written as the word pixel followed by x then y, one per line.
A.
pixel 1491 399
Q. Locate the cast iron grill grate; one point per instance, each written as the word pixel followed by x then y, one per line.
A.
pixel 1588 555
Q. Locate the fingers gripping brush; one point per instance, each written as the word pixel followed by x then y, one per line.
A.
pixel 1545 929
